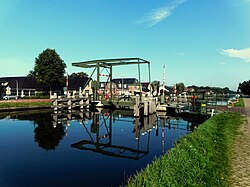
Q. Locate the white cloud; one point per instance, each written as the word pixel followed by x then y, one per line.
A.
pixel 238 53
pixel 157 15
pixel 223 63
pixel 180 54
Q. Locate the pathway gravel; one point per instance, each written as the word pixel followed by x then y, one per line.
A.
pixel 241 156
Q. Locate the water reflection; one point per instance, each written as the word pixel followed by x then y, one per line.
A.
pixel 47 135
pixel 102 142
pixel 50 129
pixel 108 145
pixel 100 134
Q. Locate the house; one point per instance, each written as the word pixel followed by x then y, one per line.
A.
pixel 22 86
pixel 127 85
pixel 77 85
pixel 28 86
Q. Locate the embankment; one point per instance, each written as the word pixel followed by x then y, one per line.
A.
pixel 201 158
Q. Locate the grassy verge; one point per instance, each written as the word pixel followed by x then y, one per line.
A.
pixel 37 97
pixel 201 158
pixel 23 104
pixel 240 103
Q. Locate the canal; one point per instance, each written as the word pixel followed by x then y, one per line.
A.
pixel 102 148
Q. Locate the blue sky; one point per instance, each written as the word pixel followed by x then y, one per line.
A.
pixel 201 42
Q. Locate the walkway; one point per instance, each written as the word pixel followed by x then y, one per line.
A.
pixel 241 158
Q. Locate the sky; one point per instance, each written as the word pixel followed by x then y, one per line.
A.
pixel 201 42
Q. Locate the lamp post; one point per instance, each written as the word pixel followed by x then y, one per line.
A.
pixel 16 88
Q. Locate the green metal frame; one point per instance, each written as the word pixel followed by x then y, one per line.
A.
pixel 110 63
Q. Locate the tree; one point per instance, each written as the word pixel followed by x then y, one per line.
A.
pixel 245 87
pixel 226 90
pixel 155 87
pixel 49 68
pixel 78 75
pixel 180 87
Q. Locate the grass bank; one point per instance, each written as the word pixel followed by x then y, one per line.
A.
pixel 240 103
pixel 23 104
pixel 201 158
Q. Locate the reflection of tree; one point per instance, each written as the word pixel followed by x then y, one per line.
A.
pixel 47 136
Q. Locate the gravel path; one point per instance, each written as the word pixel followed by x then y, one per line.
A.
pixel 241 157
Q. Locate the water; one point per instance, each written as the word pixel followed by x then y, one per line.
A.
pixel 81 148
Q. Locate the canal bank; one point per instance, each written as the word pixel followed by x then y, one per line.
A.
pixel 24 104
pixel 201 158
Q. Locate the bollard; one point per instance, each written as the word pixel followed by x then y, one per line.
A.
pixel 81 103
pixel 69 104
pixel 68 95
pixel 55 104
pixel 136 106
pixel 87 100
pixel 151 105
pixel 154 105
pixel 212 114
pixel 145 107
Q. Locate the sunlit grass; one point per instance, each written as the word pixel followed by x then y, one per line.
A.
pixel 240 103
pixel 201 158
pixel 23 104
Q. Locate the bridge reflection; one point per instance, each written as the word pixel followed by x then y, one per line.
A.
pixel 100 134
pixel 100 140
pixel 98 130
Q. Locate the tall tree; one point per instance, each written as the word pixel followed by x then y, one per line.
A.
pixel 180 87
pixel 155 87
pixel 245 87
pixel 78 75
pixel 49 68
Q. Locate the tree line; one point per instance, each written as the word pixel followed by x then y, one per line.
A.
pixel 49 69
pixel 244 87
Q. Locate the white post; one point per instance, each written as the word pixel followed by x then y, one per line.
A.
pixel 55 104
pixel 212 114
pixel 145 107
pixel 136 107
pixel 87 100
pixel 69 104
pixel 154 104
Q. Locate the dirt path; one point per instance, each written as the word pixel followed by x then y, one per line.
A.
pixel 241 158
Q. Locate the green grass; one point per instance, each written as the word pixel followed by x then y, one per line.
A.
pixel 201 158
pixel 37 97
pixel 23 104
pixel 240 103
